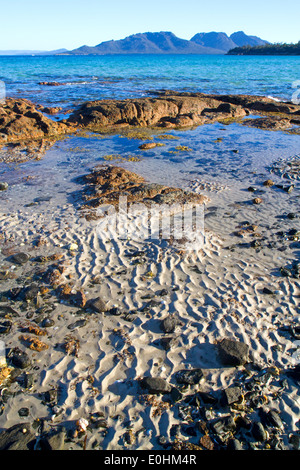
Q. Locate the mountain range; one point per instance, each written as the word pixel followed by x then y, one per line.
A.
pixel 165 42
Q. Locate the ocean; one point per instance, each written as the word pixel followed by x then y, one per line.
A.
pixel 118 77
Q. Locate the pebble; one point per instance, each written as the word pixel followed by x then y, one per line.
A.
pixel 20 258
pixel 3 186
pixel 168 324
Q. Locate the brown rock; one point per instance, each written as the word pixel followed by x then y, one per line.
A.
pixel 257 200
pixel 268 183
pixel 149 145
pixel 20 120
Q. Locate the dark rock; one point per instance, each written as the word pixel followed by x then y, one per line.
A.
pixel 232 395
pixel 20 258
pixel 167 343
pixel 56 440
pixel 234 444
pixel 258 432
pixel 176 395
pixel 23 412
pixel 51 396
pixel 268 291
pixel 223 425
pixel 168 324
pixel 233 353
pixel 3 186
pixel 98 305
pixel 48 322
pixel 189 377
pixel 19 358
pixel 156 385
pixel 5 327
pixel 77 324
pixel 274 420
pixel 18 437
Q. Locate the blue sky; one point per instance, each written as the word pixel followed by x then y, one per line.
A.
pixel 40 25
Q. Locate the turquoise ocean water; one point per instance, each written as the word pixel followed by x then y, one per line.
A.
pixel 100 77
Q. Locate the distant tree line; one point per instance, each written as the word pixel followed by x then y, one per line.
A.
pixel 268 49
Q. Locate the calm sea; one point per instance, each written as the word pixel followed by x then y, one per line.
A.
pixel 100 77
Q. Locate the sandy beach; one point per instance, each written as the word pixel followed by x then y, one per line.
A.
pixel 96 316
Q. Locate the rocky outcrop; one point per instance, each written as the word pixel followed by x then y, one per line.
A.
pixel 169 110
pixel 20 120
pixel 182 110
pixel 106 184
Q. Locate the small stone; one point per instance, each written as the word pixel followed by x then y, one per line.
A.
pixel 232 395
pixel 156 385
pixel 168 324
pixel 176 395
pixel 19 359
pixel 292 215
pixel 48 322
pixel 268 183
pixel 268 291
pixel 258 432
pixel 98 305
pixel 257 200
pixel 273 419
pixel 189 377
pixel 20 258
pixel 251 189
pixel 148 145
pixel 23 412
pixel 234 444
pixel 3 186
pixel 167 343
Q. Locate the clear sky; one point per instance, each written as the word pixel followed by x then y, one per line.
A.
pixel 55 24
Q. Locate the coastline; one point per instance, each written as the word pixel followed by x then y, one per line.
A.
pixel 95 361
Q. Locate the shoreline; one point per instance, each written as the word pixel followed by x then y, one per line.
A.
pixel 87 389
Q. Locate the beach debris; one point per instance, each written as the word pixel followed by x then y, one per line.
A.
pixel 71 345
pixel 81 425
pixel 4 373
pixel 33 343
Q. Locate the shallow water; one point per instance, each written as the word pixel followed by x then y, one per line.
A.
pixel 230 156
pixel 118 77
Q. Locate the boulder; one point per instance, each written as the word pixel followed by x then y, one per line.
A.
pixel 233 353
pixel 156 385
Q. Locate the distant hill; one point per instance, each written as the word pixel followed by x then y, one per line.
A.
pixel 225 43
pixel 241 39
pixel 29 52
pixel 163 42
pixel 215 40
pixel 268 49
